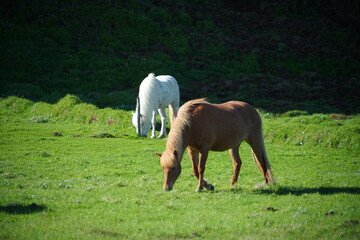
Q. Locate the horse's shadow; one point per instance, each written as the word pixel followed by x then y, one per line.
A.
pixel 22 209
pixel 284 190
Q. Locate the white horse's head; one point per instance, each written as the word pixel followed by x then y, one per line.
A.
pixel 142 126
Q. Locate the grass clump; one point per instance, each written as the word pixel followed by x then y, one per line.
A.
pixel 14 105
pixel 40 109
pixel 65 105
pixel 293 127
pixel 323 130
pixel 295 113
pixel 70 108
pixel 83 113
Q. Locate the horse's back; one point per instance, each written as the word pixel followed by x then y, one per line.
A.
pixel 169 83
pixel 242 109
pixel 168 89
pixel 163 87
pixel 166 78
pixel 224 125
pixel 232 111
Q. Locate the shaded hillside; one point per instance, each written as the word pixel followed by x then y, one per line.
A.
pixel 277 56
pixel 305 55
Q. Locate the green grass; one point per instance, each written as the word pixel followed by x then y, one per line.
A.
pixel 62 177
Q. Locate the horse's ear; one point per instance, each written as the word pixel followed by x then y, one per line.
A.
pixel 175 153
pixel 159 154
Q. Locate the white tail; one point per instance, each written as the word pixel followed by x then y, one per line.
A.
pixel 138 116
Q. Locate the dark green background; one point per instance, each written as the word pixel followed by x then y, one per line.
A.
pixel 276 55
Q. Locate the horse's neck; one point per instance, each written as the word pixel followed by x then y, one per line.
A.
pixel 147 108
pixel 178 141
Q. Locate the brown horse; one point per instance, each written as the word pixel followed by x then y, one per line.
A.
pixel 203 127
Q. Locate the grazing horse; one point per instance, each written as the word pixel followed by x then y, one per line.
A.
pixel 155 94
pixel 203 127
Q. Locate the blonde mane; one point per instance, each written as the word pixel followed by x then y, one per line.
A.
pixel 175 138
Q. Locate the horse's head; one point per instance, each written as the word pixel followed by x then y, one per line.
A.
pixel 142 127
pixel 171 167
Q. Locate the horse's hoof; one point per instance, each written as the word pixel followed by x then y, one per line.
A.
pixel 153 136
pixel 198 190
pixel 161 136
pixel 210 187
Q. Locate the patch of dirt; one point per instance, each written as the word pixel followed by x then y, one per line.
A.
pixel 271 209
pixel 329 213
pixel 102 135
pixel 351 222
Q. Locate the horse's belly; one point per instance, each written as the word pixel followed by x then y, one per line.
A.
pixel 223 147
pixel 225 144
pixel 219 148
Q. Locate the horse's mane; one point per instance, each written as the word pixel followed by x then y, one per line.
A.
pixel 183 118
pixel 182 121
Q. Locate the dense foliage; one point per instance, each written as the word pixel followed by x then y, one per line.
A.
pixel 277 55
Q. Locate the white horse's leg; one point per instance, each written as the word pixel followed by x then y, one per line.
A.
pixel 163 122
pixel 153 123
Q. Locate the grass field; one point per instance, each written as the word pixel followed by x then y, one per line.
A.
pixel 72 171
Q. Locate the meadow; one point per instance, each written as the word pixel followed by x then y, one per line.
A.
pixel 70 170
pixel 72 167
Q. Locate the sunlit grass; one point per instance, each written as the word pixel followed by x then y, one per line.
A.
pixel 74 185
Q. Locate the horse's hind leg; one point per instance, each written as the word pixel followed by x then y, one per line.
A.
pixel 234 154
pixel 163 122
pixel 194 156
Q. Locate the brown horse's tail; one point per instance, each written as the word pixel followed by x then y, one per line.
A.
pixel 264 164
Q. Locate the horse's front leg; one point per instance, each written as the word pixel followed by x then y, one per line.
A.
pixel 194 156
pixel 163 122
pixel 153 123
pixel 201 169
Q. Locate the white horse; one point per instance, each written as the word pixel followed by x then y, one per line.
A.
pixel 155 94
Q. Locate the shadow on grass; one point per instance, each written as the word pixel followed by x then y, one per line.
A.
pixel 22 209
pixel 301 191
